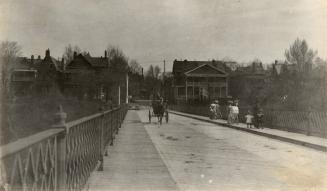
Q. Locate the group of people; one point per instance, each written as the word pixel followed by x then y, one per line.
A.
pixel 255 118
pixel 233 112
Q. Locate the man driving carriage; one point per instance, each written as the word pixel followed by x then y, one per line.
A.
pixel 159 108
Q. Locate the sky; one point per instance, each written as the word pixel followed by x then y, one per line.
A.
pixel 151 31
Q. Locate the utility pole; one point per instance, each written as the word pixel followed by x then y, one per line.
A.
pixel 127 87
pixel 164 73
pixel 163 79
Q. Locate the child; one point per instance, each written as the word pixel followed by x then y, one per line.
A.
pixel 260 119
pixel 249 119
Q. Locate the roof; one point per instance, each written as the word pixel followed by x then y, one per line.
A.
pixel 206 70
pixel 56 63
pixel 96 61
pixel 255 69
pixel 25 63
pixel 185 66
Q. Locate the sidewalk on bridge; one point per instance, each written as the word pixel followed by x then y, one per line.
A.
pixel 133 163
pixel 295 138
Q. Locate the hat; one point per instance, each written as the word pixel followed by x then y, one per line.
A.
pixel 216 101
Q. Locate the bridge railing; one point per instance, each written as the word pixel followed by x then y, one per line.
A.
pixel 61 158
pixel 306 122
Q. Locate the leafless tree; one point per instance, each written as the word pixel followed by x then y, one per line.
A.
pixel 300 54
pixel 9 51
pixel 69 52
pixel 157 71
pixel 135 67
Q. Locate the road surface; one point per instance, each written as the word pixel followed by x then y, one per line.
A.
pixel 205 156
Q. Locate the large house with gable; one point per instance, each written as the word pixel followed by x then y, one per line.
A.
pixel 35 73
pixel 200 80
pixel 82 74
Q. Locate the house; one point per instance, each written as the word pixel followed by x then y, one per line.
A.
pixel 24 75
pixel 83 74
pixel 246 81
pixel 49 72
pixel 280 67
pixel 200 80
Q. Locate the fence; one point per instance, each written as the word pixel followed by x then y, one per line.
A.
pixel 310 123
pixel 61 158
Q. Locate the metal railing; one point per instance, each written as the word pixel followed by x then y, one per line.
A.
pixel 306 122
pixel 61 158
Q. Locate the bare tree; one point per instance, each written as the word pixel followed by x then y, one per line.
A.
pixel 69 52
pixel 118 60
pixel 135 67
pixel 156 71
pixel 9 51
pixel 150 72
pixel 300 54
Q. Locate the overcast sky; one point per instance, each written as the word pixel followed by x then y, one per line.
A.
pixel 153 30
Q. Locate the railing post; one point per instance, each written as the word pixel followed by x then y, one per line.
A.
pixel 111 128
pixel 309 114
pixel 61 171
pixel 101 137
pixel 116 121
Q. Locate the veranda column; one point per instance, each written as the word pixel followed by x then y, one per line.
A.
pixel 193 89
pixel 226 86
pixel 119 94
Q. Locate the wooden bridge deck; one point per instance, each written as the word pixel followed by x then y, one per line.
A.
pixel 133 162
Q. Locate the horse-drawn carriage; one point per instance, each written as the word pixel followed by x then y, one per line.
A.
pixel 158 109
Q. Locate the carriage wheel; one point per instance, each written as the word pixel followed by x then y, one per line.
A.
pixel 167 117
pixel 149 116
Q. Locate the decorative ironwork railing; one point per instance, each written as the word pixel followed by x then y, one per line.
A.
pixel 311 123
pixel 61 158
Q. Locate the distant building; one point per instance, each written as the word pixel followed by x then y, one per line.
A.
pixel 24 75
pixel 83 73
pixel 200 80
pixel 49 73
pixel 283 67
pixel 36 73
pixel 247 80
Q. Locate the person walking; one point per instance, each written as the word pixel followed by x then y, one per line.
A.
pixel 229 113
pixel 235 112
pixel 218 112
pixel 212 110
pixel 248 119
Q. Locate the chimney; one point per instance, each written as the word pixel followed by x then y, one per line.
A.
pixel 105 54
pixel 39 57
pixel 75 54
pixel 47 53
pixel 276 61
pixel 32 59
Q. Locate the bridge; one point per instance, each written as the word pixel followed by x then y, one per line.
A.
pixel 120 150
